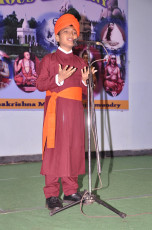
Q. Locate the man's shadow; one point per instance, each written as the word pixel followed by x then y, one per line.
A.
pixel 105 133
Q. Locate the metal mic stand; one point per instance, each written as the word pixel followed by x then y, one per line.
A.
pixel 88 197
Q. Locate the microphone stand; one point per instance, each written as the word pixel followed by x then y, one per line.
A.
pixel 88 197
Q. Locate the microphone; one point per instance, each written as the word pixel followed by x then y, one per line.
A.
pixel 77 42
pixel 97 43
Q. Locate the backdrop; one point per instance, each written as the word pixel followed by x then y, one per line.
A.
pixel 27 34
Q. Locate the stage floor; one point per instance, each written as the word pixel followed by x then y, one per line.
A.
pixel 127 186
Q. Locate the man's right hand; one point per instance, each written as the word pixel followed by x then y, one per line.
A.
pixel 65 73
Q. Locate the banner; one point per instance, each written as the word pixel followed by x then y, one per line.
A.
pixel 27 35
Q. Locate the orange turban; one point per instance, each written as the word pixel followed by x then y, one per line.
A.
pixel 67 20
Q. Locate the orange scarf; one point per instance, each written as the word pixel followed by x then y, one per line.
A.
pixel 74 93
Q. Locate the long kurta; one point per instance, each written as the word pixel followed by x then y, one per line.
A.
pixel 68 157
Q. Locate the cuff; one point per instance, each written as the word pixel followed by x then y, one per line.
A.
pixel 84 83
pixel 57 81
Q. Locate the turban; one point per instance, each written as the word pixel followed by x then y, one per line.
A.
pixel 67 20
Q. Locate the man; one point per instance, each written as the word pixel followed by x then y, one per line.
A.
pixel 4 73
pixel 27 75
pixel 112 37
pixel 85 58
pixel 112 78
pixel 63 76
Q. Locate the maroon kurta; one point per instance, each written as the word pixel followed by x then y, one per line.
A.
pixel 68 157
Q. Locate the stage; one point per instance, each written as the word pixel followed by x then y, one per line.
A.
pixel 127 186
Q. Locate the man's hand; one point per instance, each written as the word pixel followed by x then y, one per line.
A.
pixel 65 72
pixel 85 73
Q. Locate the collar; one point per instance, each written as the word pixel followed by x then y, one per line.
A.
pixel 66 52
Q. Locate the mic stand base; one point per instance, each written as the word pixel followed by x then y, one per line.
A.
pixel 89 199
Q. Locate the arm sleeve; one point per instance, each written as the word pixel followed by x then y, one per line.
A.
pixel 46 76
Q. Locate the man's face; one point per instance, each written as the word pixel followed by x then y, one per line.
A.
pixel 111 26
pixel 27 55
pixel 66 37
pixel 85 58
pixel 113 60
pixel 112 3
